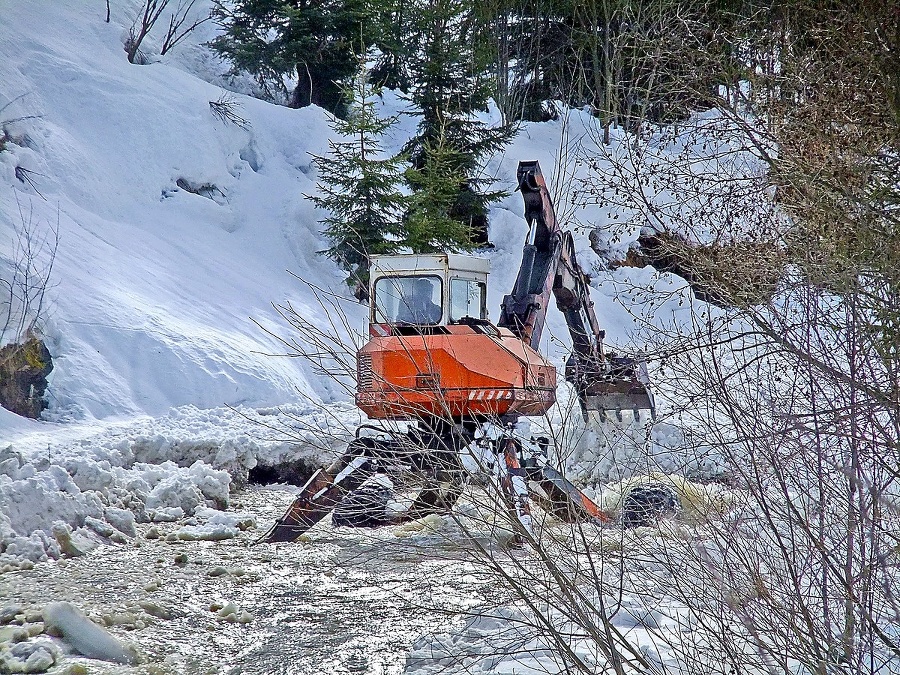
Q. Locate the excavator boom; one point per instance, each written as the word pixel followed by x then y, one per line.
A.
pixel 604 382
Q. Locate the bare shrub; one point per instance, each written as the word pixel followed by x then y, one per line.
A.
pixel 178 28
pixel 26 279
pixel 149 14
pixel 227 109
pixel 27 176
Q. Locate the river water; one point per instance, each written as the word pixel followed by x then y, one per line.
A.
pixel 344 602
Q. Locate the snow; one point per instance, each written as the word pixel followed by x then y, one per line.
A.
pixel 165 394
pixel 160 469
pixel 154 286
pixel 215 525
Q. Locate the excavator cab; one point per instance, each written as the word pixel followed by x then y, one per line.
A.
pixel 433 354
pixel 426 291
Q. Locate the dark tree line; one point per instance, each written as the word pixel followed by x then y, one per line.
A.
pixel 629 62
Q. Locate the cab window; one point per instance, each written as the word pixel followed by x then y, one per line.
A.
pixel 410 300
pixel 467 299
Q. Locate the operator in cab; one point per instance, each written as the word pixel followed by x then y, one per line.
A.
pixel 417 307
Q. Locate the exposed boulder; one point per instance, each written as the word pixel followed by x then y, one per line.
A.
pixel 730 274
pixel 24 368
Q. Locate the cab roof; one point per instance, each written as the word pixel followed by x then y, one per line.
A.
pixel 416 262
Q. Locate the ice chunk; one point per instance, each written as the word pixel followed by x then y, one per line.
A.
pixel 208 532
pixel 38 656
pixel 9 612
pixel 121 519
pixel 75 543
pixel 86 637
pixel 101 527
pixel 239 519
pixel 167 514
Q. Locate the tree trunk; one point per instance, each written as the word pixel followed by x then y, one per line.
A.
pixel 302 95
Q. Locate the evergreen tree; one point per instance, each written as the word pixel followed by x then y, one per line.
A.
pixel 316 41
pixel 396 36
pixel 450 85
pixel 359 188
pixel 431 223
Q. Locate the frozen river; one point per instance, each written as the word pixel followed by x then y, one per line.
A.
pixel 346 601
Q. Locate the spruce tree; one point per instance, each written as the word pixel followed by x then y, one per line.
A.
pixel 316 41
pixel 360 188
pixel 450 86
pixel 430 225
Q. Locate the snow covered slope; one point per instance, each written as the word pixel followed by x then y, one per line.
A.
pixel 154 285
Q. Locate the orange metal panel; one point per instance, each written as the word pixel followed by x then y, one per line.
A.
pixel 461 374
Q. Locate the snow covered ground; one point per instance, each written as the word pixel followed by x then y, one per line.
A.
pixel 165 393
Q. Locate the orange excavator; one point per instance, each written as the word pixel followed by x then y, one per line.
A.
pixel 460 384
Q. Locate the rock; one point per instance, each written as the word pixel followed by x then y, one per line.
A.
pixel 40 661
pixel 52 631
pixel 12 634
pixel 8 613
pixel 152 533
pixel 74 669
pixel 123 619
pixel 217 572
pixel 152 587
pixel 86 637
pixel 181 559
pixel 34 629
pixel 37 656
pixel 158 611
pixel 23 377
pixel 34 614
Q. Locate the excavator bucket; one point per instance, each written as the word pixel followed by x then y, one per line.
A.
pixel 559 496
pixel 342 487
pixel 625 386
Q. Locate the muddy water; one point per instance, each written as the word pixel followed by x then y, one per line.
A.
pixel 345 602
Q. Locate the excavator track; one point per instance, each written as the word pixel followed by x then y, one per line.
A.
pixel 522 475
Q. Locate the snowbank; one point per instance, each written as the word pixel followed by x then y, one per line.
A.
pixel 153 286
pixel 56 494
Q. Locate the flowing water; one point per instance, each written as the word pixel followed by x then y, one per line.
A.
pixel 344 602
